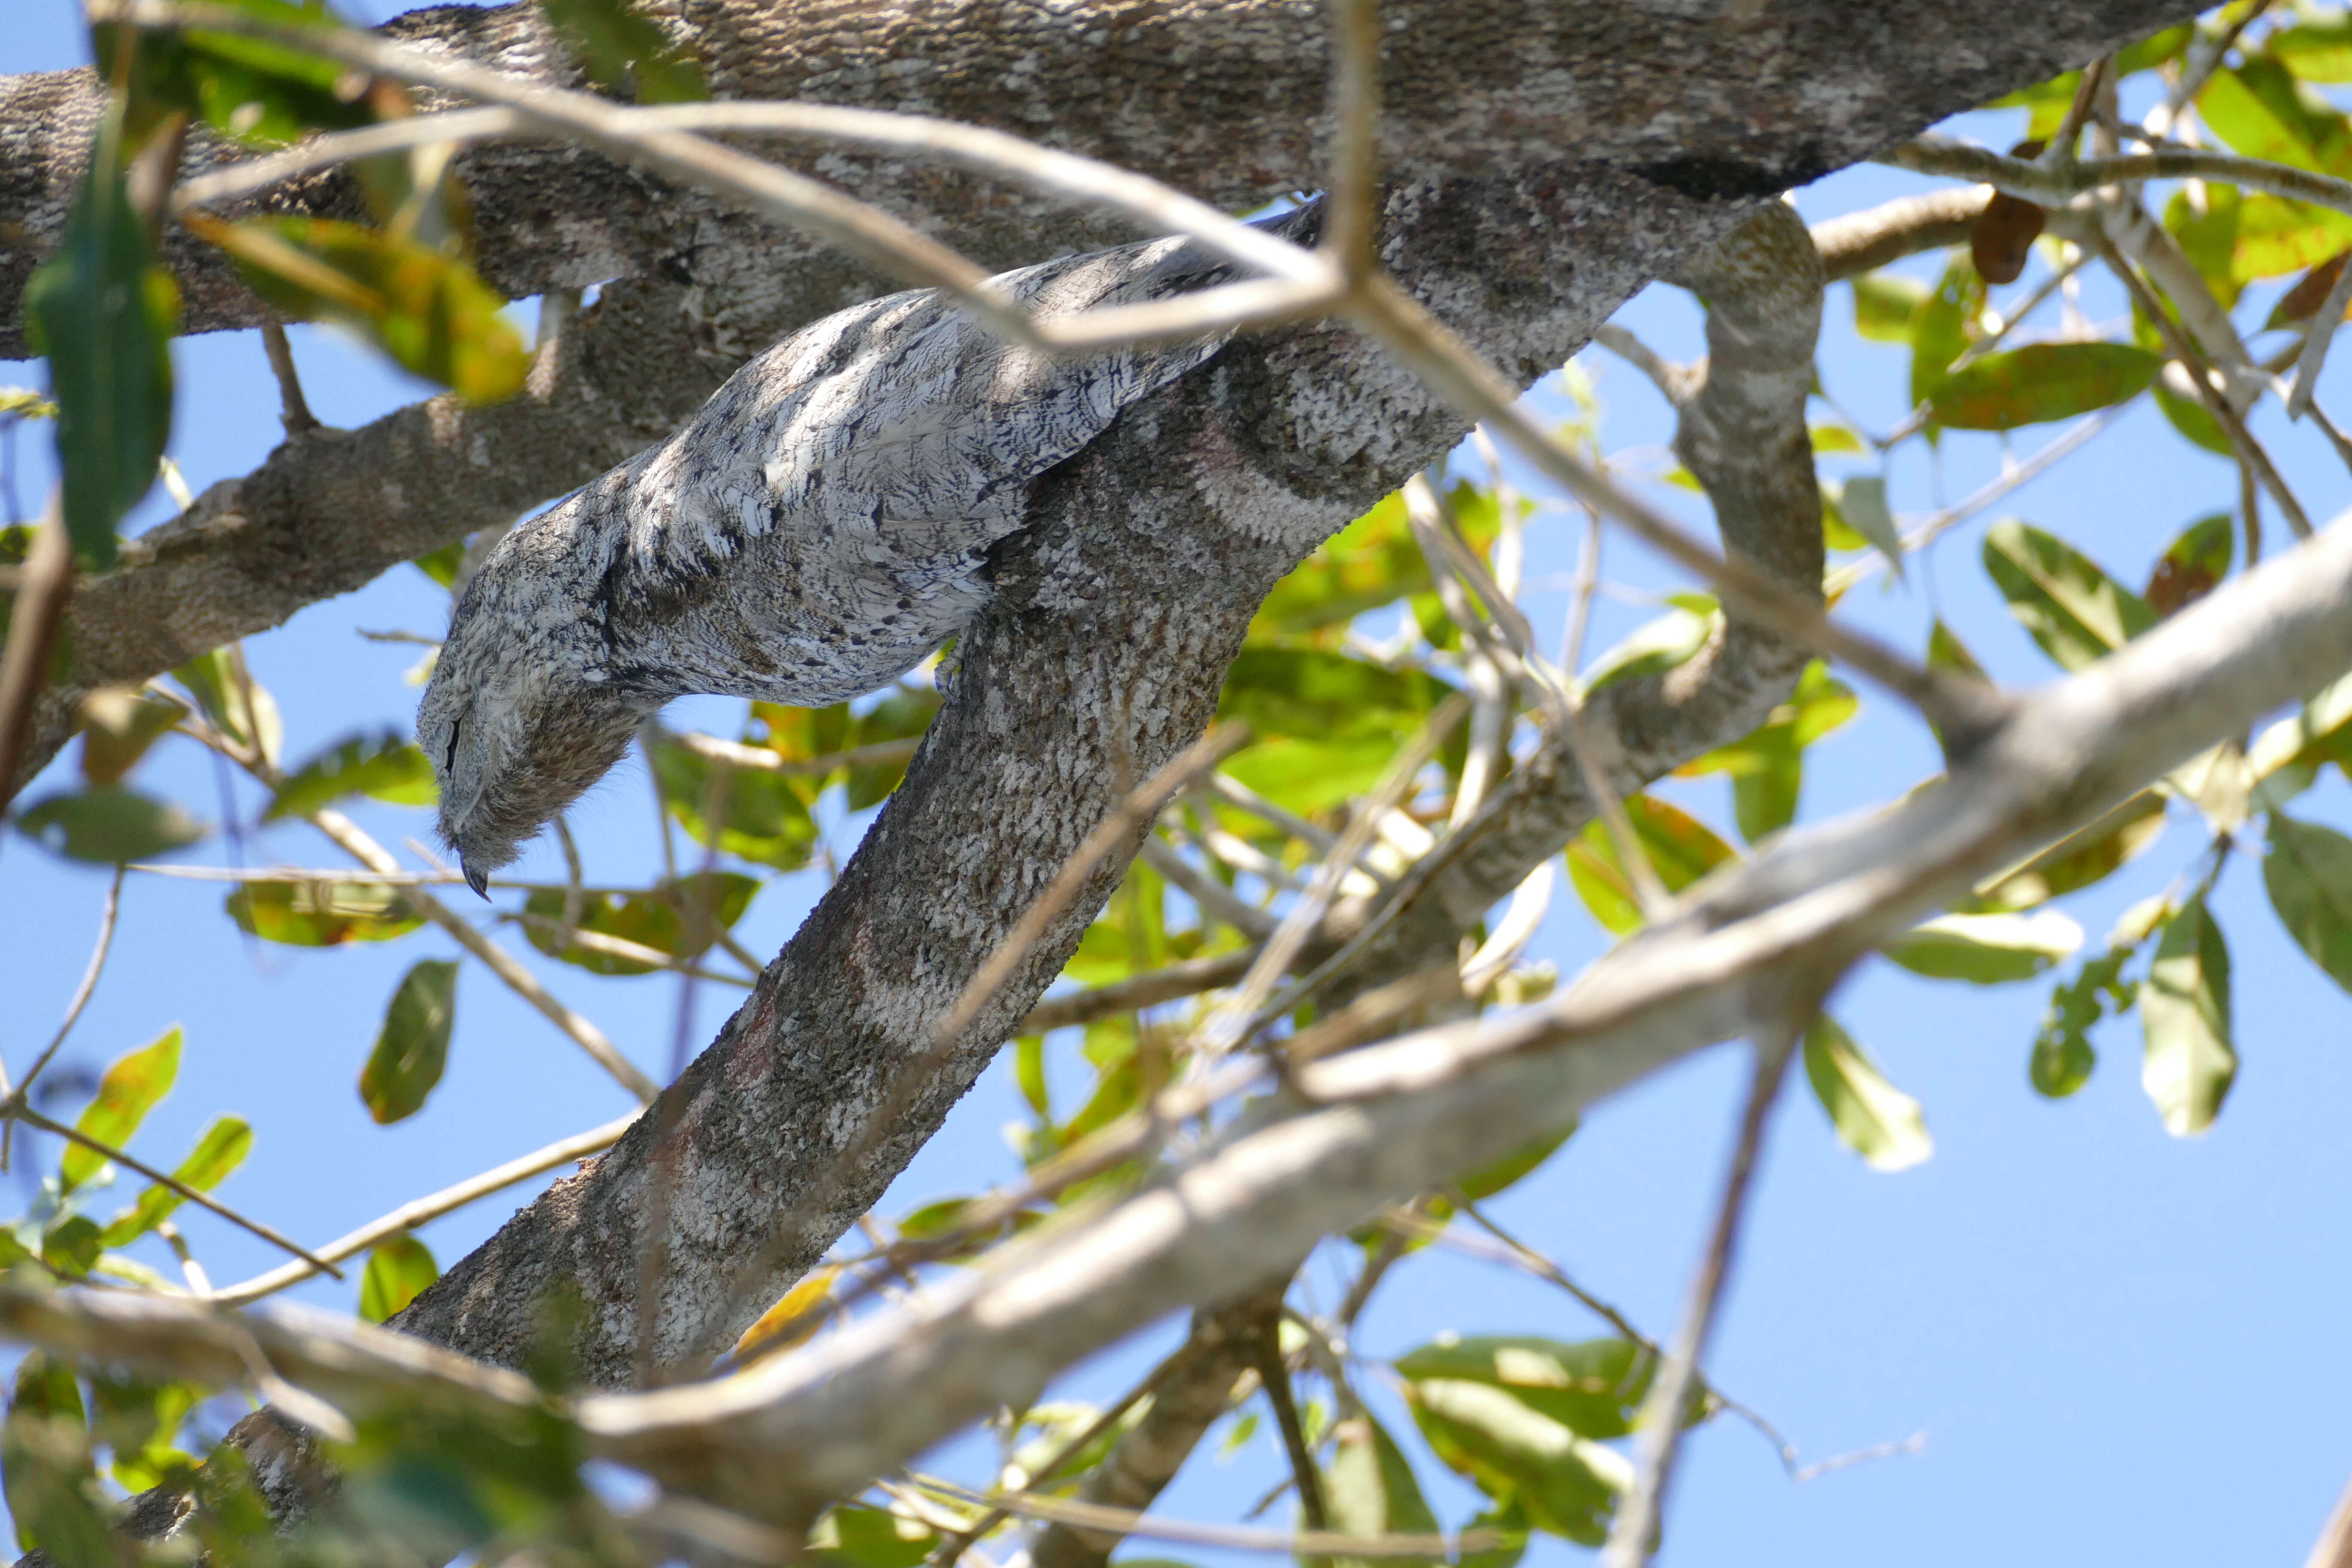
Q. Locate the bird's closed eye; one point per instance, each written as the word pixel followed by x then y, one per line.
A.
pixel 449 758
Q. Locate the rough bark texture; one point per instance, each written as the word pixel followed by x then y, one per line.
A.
pixel 1550 159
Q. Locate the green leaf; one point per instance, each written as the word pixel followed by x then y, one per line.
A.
pixel 2308 875
pixel 1320 696
pixel 1371 562
pixel 1370 1487
pixel 428 309
pixel 108 825
pixel 220 1149
pixel 238 705
pixel 2286 759
pixel 758 815
pixel 2261 111
pixel 46 1466
pixel 398 1270
pixel 1488 1180
pixel 1987 950
pixel 1679 847
pixel 1873 1117
pixel 652 919
pixel 103 315
pixel 1591 1387
pixel 2238 238
pixel 2074 611
pixel 1863 504
pixel 2041 381
pixel 621 49
pixel 1766 766
pixel 443 564
pixel 380 764
pixel 2317 50
pixel 1885 304
pixel 1566 1484
pixel 257 90
pixel 2080 859
pixel 2193 564
pixel 902 716
pixel 2184 1008
pixel 1830 439
pixel 1940 330
pixel 851 1535
pixel 322 914
pixel 118 724
pixel 130 1088
pixel 1508 1524
pixel 1672 640
pixel 71 1246
pixel 2063 1055
pixel 413 1046
pixel 137 1418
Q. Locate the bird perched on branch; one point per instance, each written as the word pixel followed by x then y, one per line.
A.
pixel 816 531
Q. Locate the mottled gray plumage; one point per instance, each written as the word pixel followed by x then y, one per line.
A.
pixel 816 530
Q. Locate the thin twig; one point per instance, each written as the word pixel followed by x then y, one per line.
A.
pixel 44 585
pixel 2315 343
pixel 293 408
pixel 1274 1376
pixel 1213 899
pixel 621 947
pixel 2048 184
pixel 1238 1538
pixel 18 1109
pixel 1351 217
pixel 450 1199
pixel 1188 978
pixel 1660 1426
pixel 82 993
pixel 760 758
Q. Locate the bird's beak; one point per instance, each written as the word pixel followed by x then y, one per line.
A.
pixel 477 881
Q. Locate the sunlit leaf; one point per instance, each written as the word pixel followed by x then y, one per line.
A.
pixel 413 1046
pixel 1679 847
pixel 382 764
pixel 137 1417
pixel 2286 759
pixel 256 89
pixel 855 1536
pixel 108 825
pixel 1766 766
pixel 1885 305
pixel 2184 1008
pixel 1666 643
pixel 322 914
pixel 2074 611
pixel 130 1088
pixel 903 715
pixel 220 1149
pixel 1873 1117
pixel 1488 1180
pixel 679 920
pixel 398 1270
pixel 2062 1056
pixel 426 309
pixel 1592 1387
pixel 1567 1483
pixel 2319 49
pixel 2239 238
pixel 2083 858
pixel 759 816
pixel 1940 329
pixel 103 315
pixel 1370 1487
pixel 2258 107
pixel 235 704
pixel 1987 950
pixel 118 724
pixel 792 1319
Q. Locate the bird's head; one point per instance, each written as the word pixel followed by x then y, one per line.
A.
pixel 512 722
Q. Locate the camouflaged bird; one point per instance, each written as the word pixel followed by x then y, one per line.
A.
pixel 814 531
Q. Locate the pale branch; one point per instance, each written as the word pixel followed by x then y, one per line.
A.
pixel 1358 1132
pixel 1188 978
pixel 2053 182
pixel 409 1215
pixel 1864 241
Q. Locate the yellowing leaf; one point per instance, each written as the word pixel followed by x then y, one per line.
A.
pixel 2184 1009
pixel 322 914
pixel 220 1149
pixel 792 1319
pixel 2040 382
pixel 1679 847
pixel 131 1088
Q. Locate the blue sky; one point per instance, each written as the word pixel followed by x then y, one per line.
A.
pixel 2116 1344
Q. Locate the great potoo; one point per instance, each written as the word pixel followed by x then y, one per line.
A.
pixel 816 530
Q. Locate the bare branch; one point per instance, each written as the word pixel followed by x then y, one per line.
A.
pixel 1189 978
pixel 36 613
pixel 2038 182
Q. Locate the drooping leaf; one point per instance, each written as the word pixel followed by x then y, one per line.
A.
pixel 2041 381
pixel 1987 950
pixel 1873 1117
pixel 852 1535
pixel 426 308
pixel 1591 1387
pixel 2184 1008
pixel 793 1319
pixel 1940 330
pixel 621 49
pixel 235 704
pixel 1766 766
pixel 380 764
pixel 1863 504
pixel 1370 1487
pixel 2082 858
pixel 118 724
pixel 679 920
pixel 759 816
pixel 256 89
pixel 2308 875
pixel 130 1088
pixel 2193 564
pixel 413 1046
pixel 2315 50
pixel 398 1270
pixel 1566 1483
pixel 220 1149
pixel 322 914
pixel 1679 847
pixel 2062 1056
pixel 107 825
pixel 2074 611
pixel 2259 110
